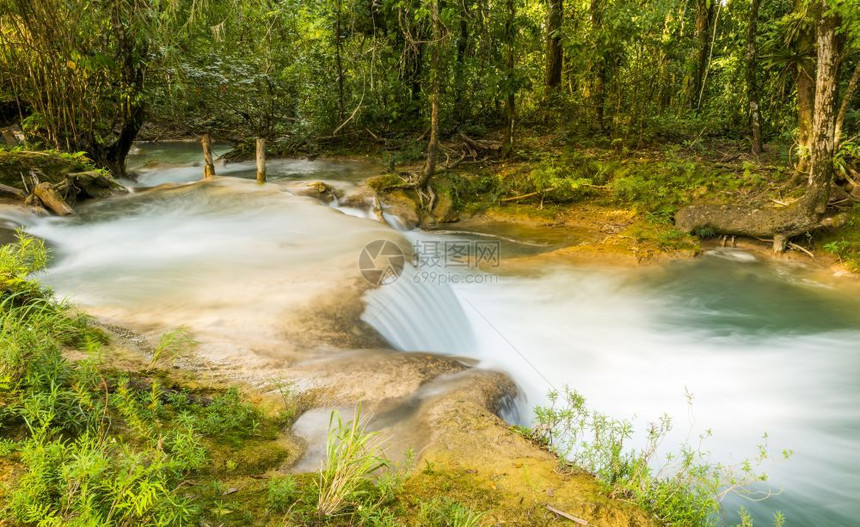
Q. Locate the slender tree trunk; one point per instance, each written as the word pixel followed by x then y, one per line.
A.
pixel 846 102
pixel 752 84
pixel 460 66
pixel 598 68
pixel 554 53
pixel 705 10
pixel 208 165
pixel 435 91
pixel 510 103
pixel 338 57
pixel 261 160
pixel 805 81
pixel 822 145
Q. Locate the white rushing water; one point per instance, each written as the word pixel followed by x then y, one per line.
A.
pixel 760 348
pixel 230 260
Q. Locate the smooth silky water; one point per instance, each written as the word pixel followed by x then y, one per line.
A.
pixel 760 348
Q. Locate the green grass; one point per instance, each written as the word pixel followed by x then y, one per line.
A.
pixel 96 446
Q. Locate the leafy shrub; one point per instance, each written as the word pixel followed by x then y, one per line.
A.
pixel 282 493
pixel 686 490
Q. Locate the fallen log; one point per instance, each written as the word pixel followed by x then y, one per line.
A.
pixel 481 144
pixel 52 199
pixel 757 222
pixel 12 190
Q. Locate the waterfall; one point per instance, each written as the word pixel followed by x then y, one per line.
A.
pixel 416 315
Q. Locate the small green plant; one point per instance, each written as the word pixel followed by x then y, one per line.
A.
pixel 171 347
pixel 282 493
pixel 17 262
pixel 352 456
pixel 687 489
pixel 445 512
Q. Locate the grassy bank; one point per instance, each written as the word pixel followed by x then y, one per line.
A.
pixel 549 180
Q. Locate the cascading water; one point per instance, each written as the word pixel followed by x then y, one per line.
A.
pixel 418 316
pixel 760 349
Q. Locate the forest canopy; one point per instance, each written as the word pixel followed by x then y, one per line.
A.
pixel 88 76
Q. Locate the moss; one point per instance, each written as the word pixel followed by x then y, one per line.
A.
pixel 50 166
pixel 249 457
pixel 385 182
pixel 844 241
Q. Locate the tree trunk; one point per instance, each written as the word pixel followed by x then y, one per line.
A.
pixel 704 20
pixel 805 81
pixel 338 47
pixel 208 165
pixel 846 102
pixel 821 148
pixel 52 199
pixel 114 156
pixel 598 67
pixel 435 90
pixel 261 160
pixel 805 214
pixel 554 53
pixel 460 66
pixel 510 88
pixel 752 83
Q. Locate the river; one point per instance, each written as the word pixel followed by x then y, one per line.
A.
pixel 761 346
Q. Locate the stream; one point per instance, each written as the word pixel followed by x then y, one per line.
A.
pixel 761 346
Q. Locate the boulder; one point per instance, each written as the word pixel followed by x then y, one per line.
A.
pixel 95 184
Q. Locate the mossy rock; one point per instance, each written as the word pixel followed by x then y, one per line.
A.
pixel 52 167
pixel 17 166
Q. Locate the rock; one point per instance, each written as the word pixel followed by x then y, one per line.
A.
pixel 95 184
pixel 400 203
pixel 315 189
pixel 12 135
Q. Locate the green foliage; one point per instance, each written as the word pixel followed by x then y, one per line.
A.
pixel 844 243
pixel 686 489
pixel 97 446
pixel 282 493
pixel 172 346
pixel 352 456
pixel 17 262
pixel 663 187
pixel 227 417
pixel 445 512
